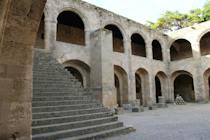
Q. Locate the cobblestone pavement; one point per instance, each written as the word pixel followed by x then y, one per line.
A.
pixel 183 122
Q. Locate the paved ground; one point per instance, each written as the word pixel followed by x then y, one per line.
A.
pixel 185 122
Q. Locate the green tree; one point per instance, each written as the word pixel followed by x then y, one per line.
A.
pixel 171 21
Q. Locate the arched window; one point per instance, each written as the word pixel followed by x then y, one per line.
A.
pixel 156 50
pixel 117 38
pixel 138 45
pixel 70 28
pixel 180 49
pixel 205 44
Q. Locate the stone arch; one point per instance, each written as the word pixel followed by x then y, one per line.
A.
pixel 80 70
pixel 161 84
pixel 180 49
pixel 118 41
pixel 138 46
pixel 183 85
pixel 205 44
pixel 39 43
pixel 121 85
pixel 70 28
pixel 206 77
pixel 142 86
pixel 157 50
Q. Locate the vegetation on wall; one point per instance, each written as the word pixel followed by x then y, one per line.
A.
pixel 174 20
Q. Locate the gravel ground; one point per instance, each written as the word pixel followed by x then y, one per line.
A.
pixel 183 122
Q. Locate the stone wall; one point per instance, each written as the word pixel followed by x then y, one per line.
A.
pixel 19 20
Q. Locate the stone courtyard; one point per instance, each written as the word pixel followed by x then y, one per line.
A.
pixel 177 122
pixel 65 65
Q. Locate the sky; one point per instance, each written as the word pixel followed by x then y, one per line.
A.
pixel 143 10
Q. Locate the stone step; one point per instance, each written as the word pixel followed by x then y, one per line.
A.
pixel 103 134
pixel 60 98
pixel 77 132
pixel 43 115
pixel 65 119
pixel 65 107
pixel 72 125
pixel 58 93
pixel 58 103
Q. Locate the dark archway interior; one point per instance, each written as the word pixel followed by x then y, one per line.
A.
pixel 138 45
pixel 139 95
pixel 158 88
pixel 76 74
pixel 180 49
pixel 117 38
pixel 205 44
pixel 183 86
pixel 117 86
pixel 157 50
pixel 70 28
pixel 40 35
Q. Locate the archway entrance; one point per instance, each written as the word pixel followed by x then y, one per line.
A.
pixel 139 95
pixel 142 89
pixel 183 86
pixel 157 88
pixel 206 76
pixel 76 74
pixel 121 84
pixel 117 86
pixel 80 70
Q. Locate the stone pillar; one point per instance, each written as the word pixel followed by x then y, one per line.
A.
pixel 199 85
pixel 152 91
pixel 50 34
pixel 21 22
pixel 131 78
pixel 102 69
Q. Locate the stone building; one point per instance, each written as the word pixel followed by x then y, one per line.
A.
pixel 118 60
pixel 121 60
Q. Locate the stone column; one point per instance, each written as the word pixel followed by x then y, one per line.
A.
pixel 199 85
pixel 131 78
pixel 50 33
pixel 102 69
pixel 21 22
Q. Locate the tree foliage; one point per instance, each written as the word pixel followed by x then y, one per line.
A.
pixel 174 20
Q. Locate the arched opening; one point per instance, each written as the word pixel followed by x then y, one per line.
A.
pixel 70 28
pixel 40 35
pixel 139 95
pixel 142 81
pixel 158 88
pixel 206 76
pixel 205 44
pixel 117 38
pixel 138 45
pixel 161 84
pixel 183 86
pixel 157 50
pixel 80 70
pixel 76 74
pixel 117 86
pixel 121 84
pixel 180 49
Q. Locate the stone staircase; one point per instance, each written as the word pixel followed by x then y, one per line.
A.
pixel 63 110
